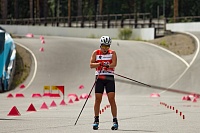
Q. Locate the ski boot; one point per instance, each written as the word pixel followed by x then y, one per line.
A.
pixel 115 124
pixel 96 123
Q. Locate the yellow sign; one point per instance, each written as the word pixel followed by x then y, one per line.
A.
pixel 47 88
pixel 54 88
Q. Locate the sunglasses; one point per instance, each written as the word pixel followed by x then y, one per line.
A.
pixel 105 46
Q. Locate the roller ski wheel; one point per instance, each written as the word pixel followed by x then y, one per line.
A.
pixel 114 127
pixel 96 126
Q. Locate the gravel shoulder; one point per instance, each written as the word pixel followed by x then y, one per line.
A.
pixel 180 44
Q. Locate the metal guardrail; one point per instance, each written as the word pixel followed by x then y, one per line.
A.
pixel 99 21
pixel 132 20
pixel 183 19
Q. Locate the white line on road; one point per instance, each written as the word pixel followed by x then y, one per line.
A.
pixel 188 65
pixel 35 70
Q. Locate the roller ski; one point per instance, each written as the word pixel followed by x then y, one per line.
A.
pixel 96 126
pixel 96 123
pixel 115 124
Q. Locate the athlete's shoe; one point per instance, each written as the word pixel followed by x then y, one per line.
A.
pixel 96 123
pixel 115 124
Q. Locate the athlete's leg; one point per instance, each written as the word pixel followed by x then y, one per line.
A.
pixel 99 88
pixel 98 99
pixel 111 99
pixel 110 89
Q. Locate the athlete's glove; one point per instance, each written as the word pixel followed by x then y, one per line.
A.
pixel 104 64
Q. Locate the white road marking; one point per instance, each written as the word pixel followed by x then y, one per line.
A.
pixel 35 70
pixel 188 65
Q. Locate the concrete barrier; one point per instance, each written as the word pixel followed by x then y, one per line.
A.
pixel 180 27
pixel 140 33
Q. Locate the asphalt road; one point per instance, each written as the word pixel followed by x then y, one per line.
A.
pixel 65 61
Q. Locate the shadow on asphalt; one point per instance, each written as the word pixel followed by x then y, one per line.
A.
pixel 124 130
pixel 3 119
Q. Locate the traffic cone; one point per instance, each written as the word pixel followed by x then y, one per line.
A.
pixel 10 95
pixel 42 49
pixel 155 95
pixel 85 96
pixel 70 101
pixel 36 95
pixel 194 100
pixel 41 37
pixel 183 116
pixel 22 86
pixel 72 95
pixel 30 35
pixel 44 106
pixel 31 108
pixel 176 111
pixel 53 104
pixel 81 97
pixel 107 106
pixel 76 99
pixel 188 98
pixel 180 113
pixel 184 98
pixel 14 112
pixel 19 95
pixel 43 42
pixel 63 102
pixel 81 86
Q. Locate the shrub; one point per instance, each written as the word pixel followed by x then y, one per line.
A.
pixel 92 36
pixel 163 43
pixel 125 34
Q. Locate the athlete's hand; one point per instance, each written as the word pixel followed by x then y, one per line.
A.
pixel 104 64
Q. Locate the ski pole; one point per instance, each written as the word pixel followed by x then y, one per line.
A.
pixel 87 97
pixel 131 79
pixel 157 87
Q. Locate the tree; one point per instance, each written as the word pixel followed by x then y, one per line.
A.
pixel 4 9
pixel 175 9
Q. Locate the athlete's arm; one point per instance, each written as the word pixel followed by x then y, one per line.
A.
pixel 93 63
pixel 114 60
